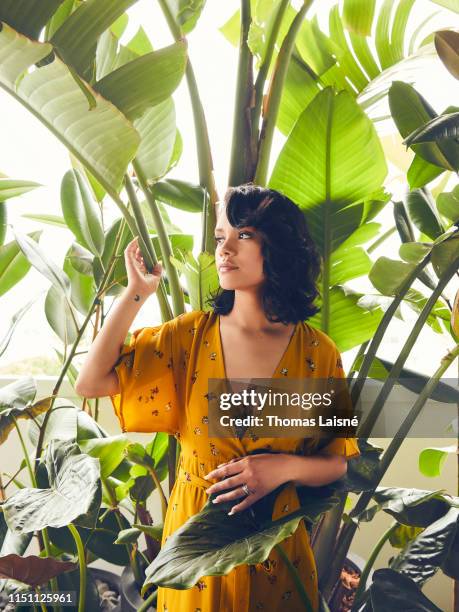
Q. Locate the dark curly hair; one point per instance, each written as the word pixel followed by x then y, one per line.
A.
pixel 291 260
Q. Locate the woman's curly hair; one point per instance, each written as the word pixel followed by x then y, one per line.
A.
pixel 291 260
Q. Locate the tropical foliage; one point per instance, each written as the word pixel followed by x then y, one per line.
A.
pixel 326 90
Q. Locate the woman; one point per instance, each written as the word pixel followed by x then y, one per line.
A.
pixel 267 266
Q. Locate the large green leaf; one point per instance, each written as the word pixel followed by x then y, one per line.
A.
pixel 180 194
pixel 388 275
pixel 32 570
pixel 61 315
pixel 421 172
pixel 100 137
pixel 61 425
pixel 431 459
pixel 77 37
pixel 11 188
pixel 158 132
pixel 411 112
pixel 452 5
pixel 186 12
pixel 211 543
pixel 145 81
pixel 13 263
pixel 83 288
pixel 439 130
pixel 73 495
pixel 447 46
pixel 448 204
pixel 82 215
pixel 28 16
pixel 16 402
pixel 45 266
pixel 322 166
pixel 358 15
pixel 391 590
pixel 426 553
pixel 423 212
pixel 109 451
pixel 201 277
pixel 352 322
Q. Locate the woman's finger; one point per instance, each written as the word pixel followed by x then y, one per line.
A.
pixel 223 485
pixel 227 470
pixel 234 494
pixel 244 504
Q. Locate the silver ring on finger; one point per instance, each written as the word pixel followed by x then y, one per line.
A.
pixel 246 490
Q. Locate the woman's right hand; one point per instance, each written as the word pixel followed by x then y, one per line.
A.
pixel 139 280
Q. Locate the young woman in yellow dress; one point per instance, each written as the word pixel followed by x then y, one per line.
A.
pixel 256 328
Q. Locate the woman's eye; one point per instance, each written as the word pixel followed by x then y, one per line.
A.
pixel 217 238
pixel 247 233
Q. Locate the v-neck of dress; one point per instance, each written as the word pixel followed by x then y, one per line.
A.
pixel 220 348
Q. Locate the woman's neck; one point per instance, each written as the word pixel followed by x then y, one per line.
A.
pixel 248 314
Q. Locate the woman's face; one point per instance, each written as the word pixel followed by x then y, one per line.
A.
pixel 238 255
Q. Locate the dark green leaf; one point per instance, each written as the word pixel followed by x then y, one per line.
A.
pixel 145 81
pixel 396 592
pixel 423 212
pixel 28 17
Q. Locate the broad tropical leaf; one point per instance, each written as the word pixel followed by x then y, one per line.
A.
pixel 101 137
pixel 26 16
pixel 32 570
pixel 12 188
pixel 14 265
pixel 73 495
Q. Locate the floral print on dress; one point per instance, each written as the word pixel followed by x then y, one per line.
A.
pixel 172 373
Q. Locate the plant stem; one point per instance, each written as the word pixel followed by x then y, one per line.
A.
pixel 204 154
pixel 381 239
pixel 370 562
pixel 348 529
pixel 178 302
pixel 274 95
pixel 82 564
pixel 150 599
pixel 25 453
pixel 264 67
pixel 162 497
pixel 381 330
pixel 146 247
pixel 365 428
pixel 296 578
pixel 68 361
pixel 241 159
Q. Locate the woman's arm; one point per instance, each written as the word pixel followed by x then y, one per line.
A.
pixel 265 472
pixel 97 377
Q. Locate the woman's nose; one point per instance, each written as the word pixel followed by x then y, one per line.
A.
pixel 228 246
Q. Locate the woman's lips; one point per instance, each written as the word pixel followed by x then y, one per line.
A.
pixel 227 269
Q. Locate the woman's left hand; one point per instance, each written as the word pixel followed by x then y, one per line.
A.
pixel 261 473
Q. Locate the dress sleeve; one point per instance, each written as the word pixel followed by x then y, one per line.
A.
pixel 346 447
pixel 148 398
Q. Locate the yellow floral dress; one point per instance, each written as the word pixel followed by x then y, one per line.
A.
pixel 163 376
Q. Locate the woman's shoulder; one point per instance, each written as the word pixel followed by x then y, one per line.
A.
pixel 319 339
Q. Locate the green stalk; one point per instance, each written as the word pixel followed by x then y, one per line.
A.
pixel 296 578
pixel 348 529
pixel 381 330
pixel 178 302
pixel 96 301
pixel 381 239
pixel 325 301
pixel 264 68
pixel 146 247
pixel 162 497
pixel 205 163
pixel 275 95
pixel 241 160
pixel 365 428
pixel 370 562
pixel 44 532
pixel 325 537
pixel 82 564
pixel 114 506
pixel 150 599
